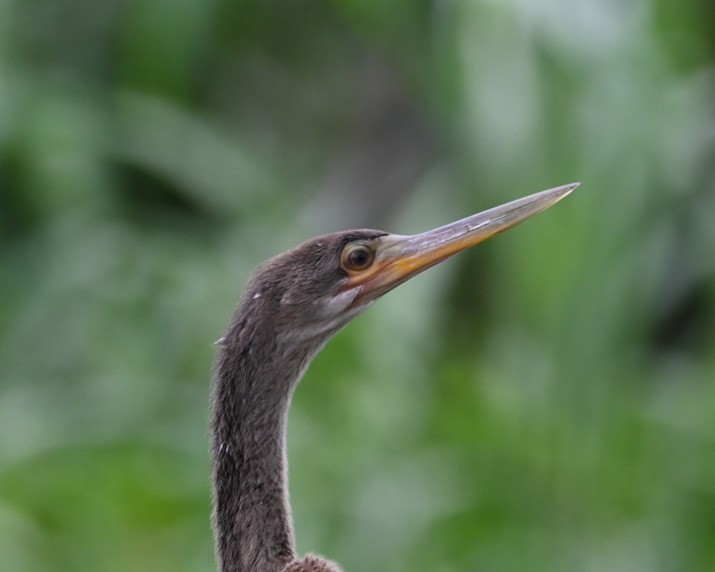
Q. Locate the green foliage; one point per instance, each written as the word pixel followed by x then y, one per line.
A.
pixel 544 402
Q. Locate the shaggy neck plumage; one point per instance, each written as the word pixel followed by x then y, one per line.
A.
pixel 253 385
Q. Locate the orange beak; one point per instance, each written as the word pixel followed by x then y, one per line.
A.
pixel 399 258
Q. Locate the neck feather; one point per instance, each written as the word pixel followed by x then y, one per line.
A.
pixel 253 384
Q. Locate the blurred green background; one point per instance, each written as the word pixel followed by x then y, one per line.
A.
pixel 545 402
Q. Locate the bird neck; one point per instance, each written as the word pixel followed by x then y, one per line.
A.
pixel 253 385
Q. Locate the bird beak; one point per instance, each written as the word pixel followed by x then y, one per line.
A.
pixel 399 258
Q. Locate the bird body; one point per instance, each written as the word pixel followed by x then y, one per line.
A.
pixel 291 306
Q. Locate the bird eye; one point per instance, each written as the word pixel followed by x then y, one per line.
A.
pixel 356 257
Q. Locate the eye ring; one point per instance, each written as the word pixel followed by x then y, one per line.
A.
pixel 357 257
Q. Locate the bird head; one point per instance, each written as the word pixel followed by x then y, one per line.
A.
pixel 316 288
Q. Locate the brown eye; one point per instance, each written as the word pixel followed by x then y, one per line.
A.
pixel 356 257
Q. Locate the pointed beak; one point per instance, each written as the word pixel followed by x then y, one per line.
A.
pixel 399 258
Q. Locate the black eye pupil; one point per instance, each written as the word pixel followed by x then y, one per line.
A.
pixel 359 257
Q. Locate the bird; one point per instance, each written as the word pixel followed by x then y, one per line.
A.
pixel 293 303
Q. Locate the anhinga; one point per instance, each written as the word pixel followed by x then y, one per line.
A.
pixel 292 305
